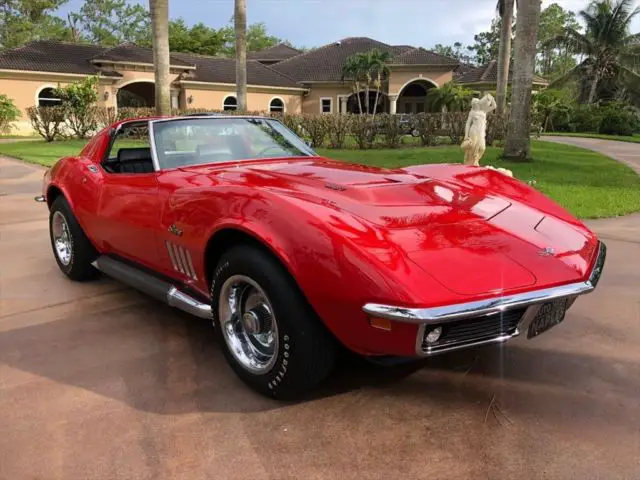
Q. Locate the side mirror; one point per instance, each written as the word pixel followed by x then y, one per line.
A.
pixel 308 143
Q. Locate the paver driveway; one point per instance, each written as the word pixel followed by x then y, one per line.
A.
pixel 99 382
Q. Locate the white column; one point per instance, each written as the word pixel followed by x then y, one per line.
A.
pixel 393 104
pixel 343 104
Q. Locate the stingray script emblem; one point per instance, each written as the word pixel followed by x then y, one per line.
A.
pixel 547 252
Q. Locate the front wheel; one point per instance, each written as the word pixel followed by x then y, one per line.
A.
pixel 271 337
pixel 71 248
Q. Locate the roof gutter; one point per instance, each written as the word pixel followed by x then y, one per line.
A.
pixel 222 84
pixel 97 61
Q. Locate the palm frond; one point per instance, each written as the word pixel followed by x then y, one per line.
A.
pixel 575 74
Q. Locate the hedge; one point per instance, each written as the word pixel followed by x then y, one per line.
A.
pixel 330 130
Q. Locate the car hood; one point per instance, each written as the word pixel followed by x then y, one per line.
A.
pixel 472 229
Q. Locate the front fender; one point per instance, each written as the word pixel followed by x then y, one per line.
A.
pixel 340 263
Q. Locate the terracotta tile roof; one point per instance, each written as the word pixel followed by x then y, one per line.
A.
pixel 324 64
pixel 50 56
pixel 420 56
pixel 130 52
pixel 223 70
pixel 281 51
pixel 488 73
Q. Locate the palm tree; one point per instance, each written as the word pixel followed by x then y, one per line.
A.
pixel 505 8
pixel 450 96
pixel 354 68
pixel 240 22
pixel 611 54
pixel 377 62
pixel 518 142
pixel 159 10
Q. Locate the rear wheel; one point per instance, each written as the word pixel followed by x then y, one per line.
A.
pixel 271 337
pixel 71 247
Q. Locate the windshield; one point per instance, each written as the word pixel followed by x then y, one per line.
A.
pixel 194 141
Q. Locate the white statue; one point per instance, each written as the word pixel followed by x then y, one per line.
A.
pixel 474 143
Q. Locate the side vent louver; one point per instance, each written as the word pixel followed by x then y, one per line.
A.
pixel 181 260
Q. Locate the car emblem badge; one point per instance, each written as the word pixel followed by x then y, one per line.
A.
pixel 547 252
pixel 175 230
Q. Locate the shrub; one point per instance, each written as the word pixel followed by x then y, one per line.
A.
pixel 9 113
pixel 618 119
pixel 78 101
pixel 585 118
pixel 363 129
pixel 426 125
pixel 338 126
pixel 454 124
pixel 496 128
pixel 315 126
pixel 391 129
pixel 47 121
pixel 291 120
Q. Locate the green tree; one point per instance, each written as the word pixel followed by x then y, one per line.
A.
pixel 9 113
pixel 611 54
pixel 554 53
pixel 457 50
pixel 110 22
pixel 198 39
pixel 22 21
pixel 257 38
pixel 487 44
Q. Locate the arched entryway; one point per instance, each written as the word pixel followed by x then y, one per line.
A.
pixel 137 94
pixel 354 107
pixel 412 96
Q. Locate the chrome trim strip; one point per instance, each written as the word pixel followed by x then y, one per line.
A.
pixel 171 255
pixel 447 313
pixel 152 145
pixel 183 261
pixel 186 303
pixel 190 264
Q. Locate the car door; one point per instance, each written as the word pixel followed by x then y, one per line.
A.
pixel 129 211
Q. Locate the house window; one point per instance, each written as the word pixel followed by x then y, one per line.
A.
pixel 230 103
pixel 326 105
pixel 46 98
pixel 276 105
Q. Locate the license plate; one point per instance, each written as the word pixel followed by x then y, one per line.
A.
pixel 549 315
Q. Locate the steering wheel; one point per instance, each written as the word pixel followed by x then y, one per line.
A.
pixel 271 147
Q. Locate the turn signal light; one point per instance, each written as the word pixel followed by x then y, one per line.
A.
pixel 380 323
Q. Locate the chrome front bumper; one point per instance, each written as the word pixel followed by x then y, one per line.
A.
pixel 530 301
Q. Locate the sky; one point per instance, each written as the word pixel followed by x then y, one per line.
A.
pixel 311 23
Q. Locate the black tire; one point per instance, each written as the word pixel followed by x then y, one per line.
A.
pixel 307 351
pixel 78 267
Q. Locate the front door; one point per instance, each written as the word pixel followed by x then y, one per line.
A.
pixel 129 210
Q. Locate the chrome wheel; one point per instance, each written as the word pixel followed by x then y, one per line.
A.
pixel 248 324
pixel 62 242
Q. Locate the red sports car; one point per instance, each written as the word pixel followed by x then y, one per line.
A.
pixel 237 220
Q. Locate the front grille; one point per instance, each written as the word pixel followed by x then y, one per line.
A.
pixel 473 330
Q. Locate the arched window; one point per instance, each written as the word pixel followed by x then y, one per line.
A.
pixel 276 105
pixel 230 103
pixel 46 98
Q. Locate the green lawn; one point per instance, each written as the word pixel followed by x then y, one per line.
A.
pixel 620 138
pixel 588 184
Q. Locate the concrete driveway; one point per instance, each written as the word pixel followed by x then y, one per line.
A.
pixel 625 152
pixel 99 382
